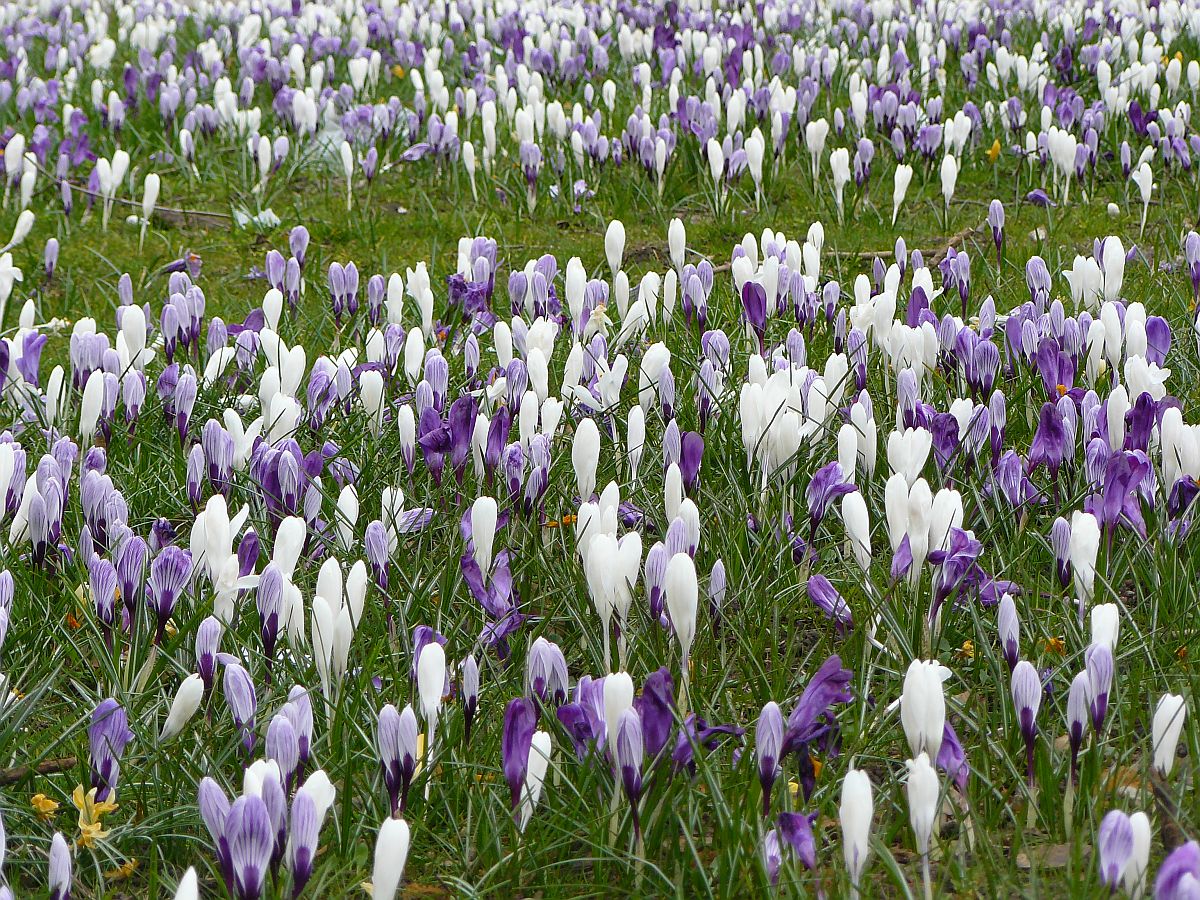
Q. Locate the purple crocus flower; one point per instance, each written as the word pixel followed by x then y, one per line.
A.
pixel 996 221
pixel 375 541
pixel 396 736
pixel 305 829
pixel 1191 254
pixel 298 709
pixel 169 574
pixel 1118 501
pixel 826 598
pixel 953 565
pixel 656 708
pixel 827 485
pixel 131 566
pixel 1179 875
pixel 1027 698
pixel 59 880
pixel 208 645
pixel 812 721
pixel 470 694
pixel 768 740
pixel 796 830
pixel 1009 628
pixel 1049 441
pixel 108 735
pixel 102 578
pixel 1060 541
pixel 283 746
pixel 1098 663
pixel 519 723
pixel 754 307
pixel 691 453
pixel 1038 197
pixel 629 758
pixel 250 838
pixel 1115 845
pixel 243 702
pixel 546 673
pixel 214 811
pixel 583 718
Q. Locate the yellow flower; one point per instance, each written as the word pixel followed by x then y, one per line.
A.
pixel 91 814
pixel 89 834
pixel 966 651
pixel 993 153
pixel 43 806
pixel 123 871
pixel 1055 645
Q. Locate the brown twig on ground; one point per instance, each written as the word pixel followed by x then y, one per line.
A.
pixel 45 767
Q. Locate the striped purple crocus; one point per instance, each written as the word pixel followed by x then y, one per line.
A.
pixel 60 868
pixel 283 747
pixel 470 694
pixel 249 835
pixel 768 739
pixel 1027 698
pixel 1114 842
pixel 169 575
pixel 208 645
pixel 102 579
pixel 629 758
pixel 396 740
pixel 243 702
pixel 108 735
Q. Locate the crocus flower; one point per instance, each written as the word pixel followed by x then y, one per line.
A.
pixel 922 791
pixel 1077 716
pixel 923 707
pixel 391 853
pixel 826 598
pixel 812 721
pixel 243 702
pixel 827 484
pixel 1027 698
pixel 682 598
pixel 396 735
pixel 768 739
pixel 208 645
pixel 250 839
pixel 546 673
pixel 540 749
pixel 1166 727
pixel 1134 877
pixel 108 735
pixel 470 694
pixel 630 755
pixel 431 679
pixel 1099 666
pixel 183 707
pixel 169 574
pixel 1009 628
pixel 519 722
pixel 1179 875
pixel 996 221
pixel 855 813
pixel 59 882
pixel 1115 845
